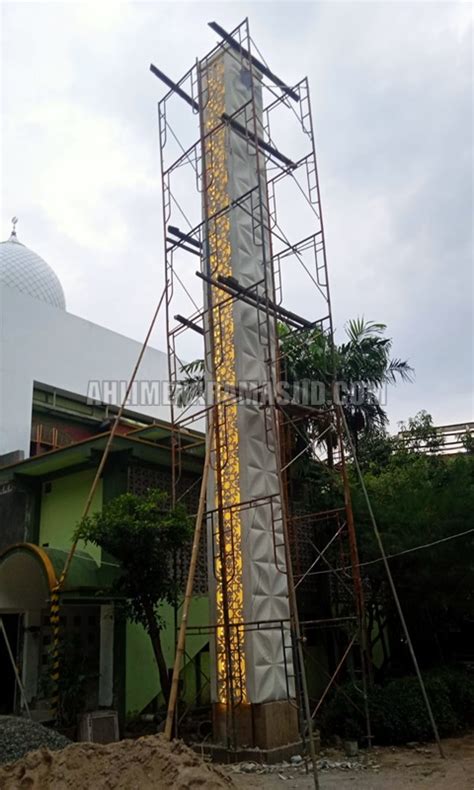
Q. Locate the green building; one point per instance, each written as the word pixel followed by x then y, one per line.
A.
pixel 41 501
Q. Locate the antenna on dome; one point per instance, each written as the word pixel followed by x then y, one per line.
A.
pixel 14 223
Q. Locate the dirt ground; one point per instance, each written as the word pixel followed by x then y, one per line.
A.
pixel 151 763
pixel 388 769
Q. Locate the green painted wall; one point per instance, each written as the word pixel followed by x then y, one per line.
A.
pixel 61 510
pixel 142 682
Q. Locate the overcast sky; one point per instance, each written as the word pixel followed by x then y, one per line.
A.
pixel 392 101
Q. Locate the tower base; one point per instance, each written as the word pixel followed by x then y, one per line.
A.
pixel 266 726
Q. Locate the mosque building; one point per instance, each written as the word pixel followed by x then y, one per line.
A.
pixel 52 433
pixel 42 344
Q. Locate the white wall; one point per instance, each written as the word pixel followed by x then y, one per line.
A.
pixel 42 343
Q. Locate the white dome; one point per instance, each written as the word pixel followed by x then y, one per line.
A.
pixel 24 270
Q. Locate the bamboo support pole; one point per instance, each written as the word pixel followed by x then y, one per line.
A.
pixel 54 615
pixel 189 589
pixel 105 454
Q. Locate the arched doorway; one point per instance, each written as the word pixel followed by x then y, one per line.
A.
pixel 26 578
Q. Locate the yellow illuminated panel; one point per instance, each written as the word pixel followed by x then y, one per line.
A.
pixel 226 435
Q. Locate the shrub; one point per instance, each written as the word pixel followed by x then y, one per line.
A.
pixel 398 712
pixel 460 686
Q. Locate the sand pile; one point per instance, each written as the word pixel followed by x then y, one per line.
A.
pixel 145 764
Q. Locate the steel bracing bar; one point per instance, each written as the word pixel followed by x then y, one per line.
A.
pixel 320 556
pixel 248 625
pixel 319 515
pixel 231 286
pixel 236 202
pixel 195 318
pixel 174 87
pixel 259 65
pixel 184 237
pixel 234 284
pixel 182 246
pixel 335 674
pixel 186 153
pixel 248 504
pixel 189 324
pixel 323 621
pixel 244 298
pixel 258 141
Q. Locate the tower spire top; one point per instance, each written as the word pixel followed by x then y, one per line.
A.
pixel 13 233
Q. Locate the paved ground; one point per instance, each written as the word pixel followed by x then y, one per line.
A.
pixel 386 769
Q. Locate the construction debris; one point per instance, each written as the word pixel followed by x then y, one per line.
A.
pixel 297 765
pixel 149 763
pixel 296 759
pixel 18 736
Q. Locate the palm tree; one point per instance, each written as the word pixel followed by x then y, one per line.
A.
pixel 364 362
pixel 354 372
pixel 360 367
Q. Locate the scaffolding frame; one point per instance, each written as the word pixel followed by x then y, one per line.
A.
pixel 188 314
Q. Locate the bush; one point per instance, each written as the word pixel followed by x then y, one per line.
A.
pixel 398 712
pixel 461 693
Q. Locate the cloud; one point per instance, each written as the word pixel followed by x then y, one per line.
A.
pixel 391 94
pixel 89 164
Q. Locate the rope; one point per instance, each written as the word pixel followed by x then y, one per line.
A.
pixel 398 553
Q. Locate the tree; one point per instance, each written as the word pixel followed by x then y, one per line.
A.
pixel 143 534
pixel 191 386
pixel 467 441
pixel 360 367
pixel 420 502
pixel 374 450
pixel 418 434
